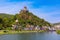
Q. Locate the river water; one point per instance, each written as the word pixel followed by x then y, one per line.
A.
pixel 31 36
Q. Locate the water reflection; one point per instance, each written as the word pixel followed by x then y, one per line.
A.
pixel 31 36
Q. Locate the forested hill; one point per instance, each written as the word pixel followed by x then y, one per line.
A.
pixel 5 15
pixel 56 23
pixel 24 18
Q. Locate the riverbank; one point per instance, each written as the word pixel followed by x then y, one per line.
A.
pixel 15 32
pixel 31 36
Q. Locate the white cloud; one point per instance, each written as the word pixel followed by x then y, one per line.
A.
pixel 13 7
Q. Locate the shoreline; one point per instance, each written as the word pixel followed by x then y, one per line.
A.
pixel 16 32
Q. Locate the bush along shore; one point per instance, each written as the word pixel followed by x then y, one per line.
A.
pixel 58 31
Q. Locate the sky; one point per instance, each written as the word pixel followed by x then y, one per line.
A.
pixel 45 9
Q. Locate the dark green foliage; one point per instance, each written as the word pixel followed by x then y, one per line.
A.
pixel 6 20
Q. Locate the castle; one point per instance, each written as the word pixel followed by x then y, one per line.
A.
pixel 24 10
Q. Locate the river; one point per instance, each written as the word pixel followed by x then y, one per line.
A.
pixel 31 36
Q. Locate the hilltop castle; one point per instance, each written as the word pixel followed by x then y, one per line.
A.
pixel 24 10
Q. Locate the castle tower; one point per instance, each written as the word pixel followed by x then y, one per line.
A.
pixel 25 8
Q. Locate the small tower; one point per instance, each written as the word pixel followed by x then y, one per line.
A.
pixel 16 20
pixel 25 8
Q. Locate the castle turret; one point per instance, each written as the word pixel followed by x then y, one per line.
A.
pixel 25 8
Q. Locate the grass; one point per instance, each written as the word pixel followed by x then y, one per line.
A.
pixel 15 32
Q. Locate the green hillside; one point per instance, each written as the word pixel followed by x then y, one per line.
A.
pixel 56 23
pixel 24 18
pixel 5 15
